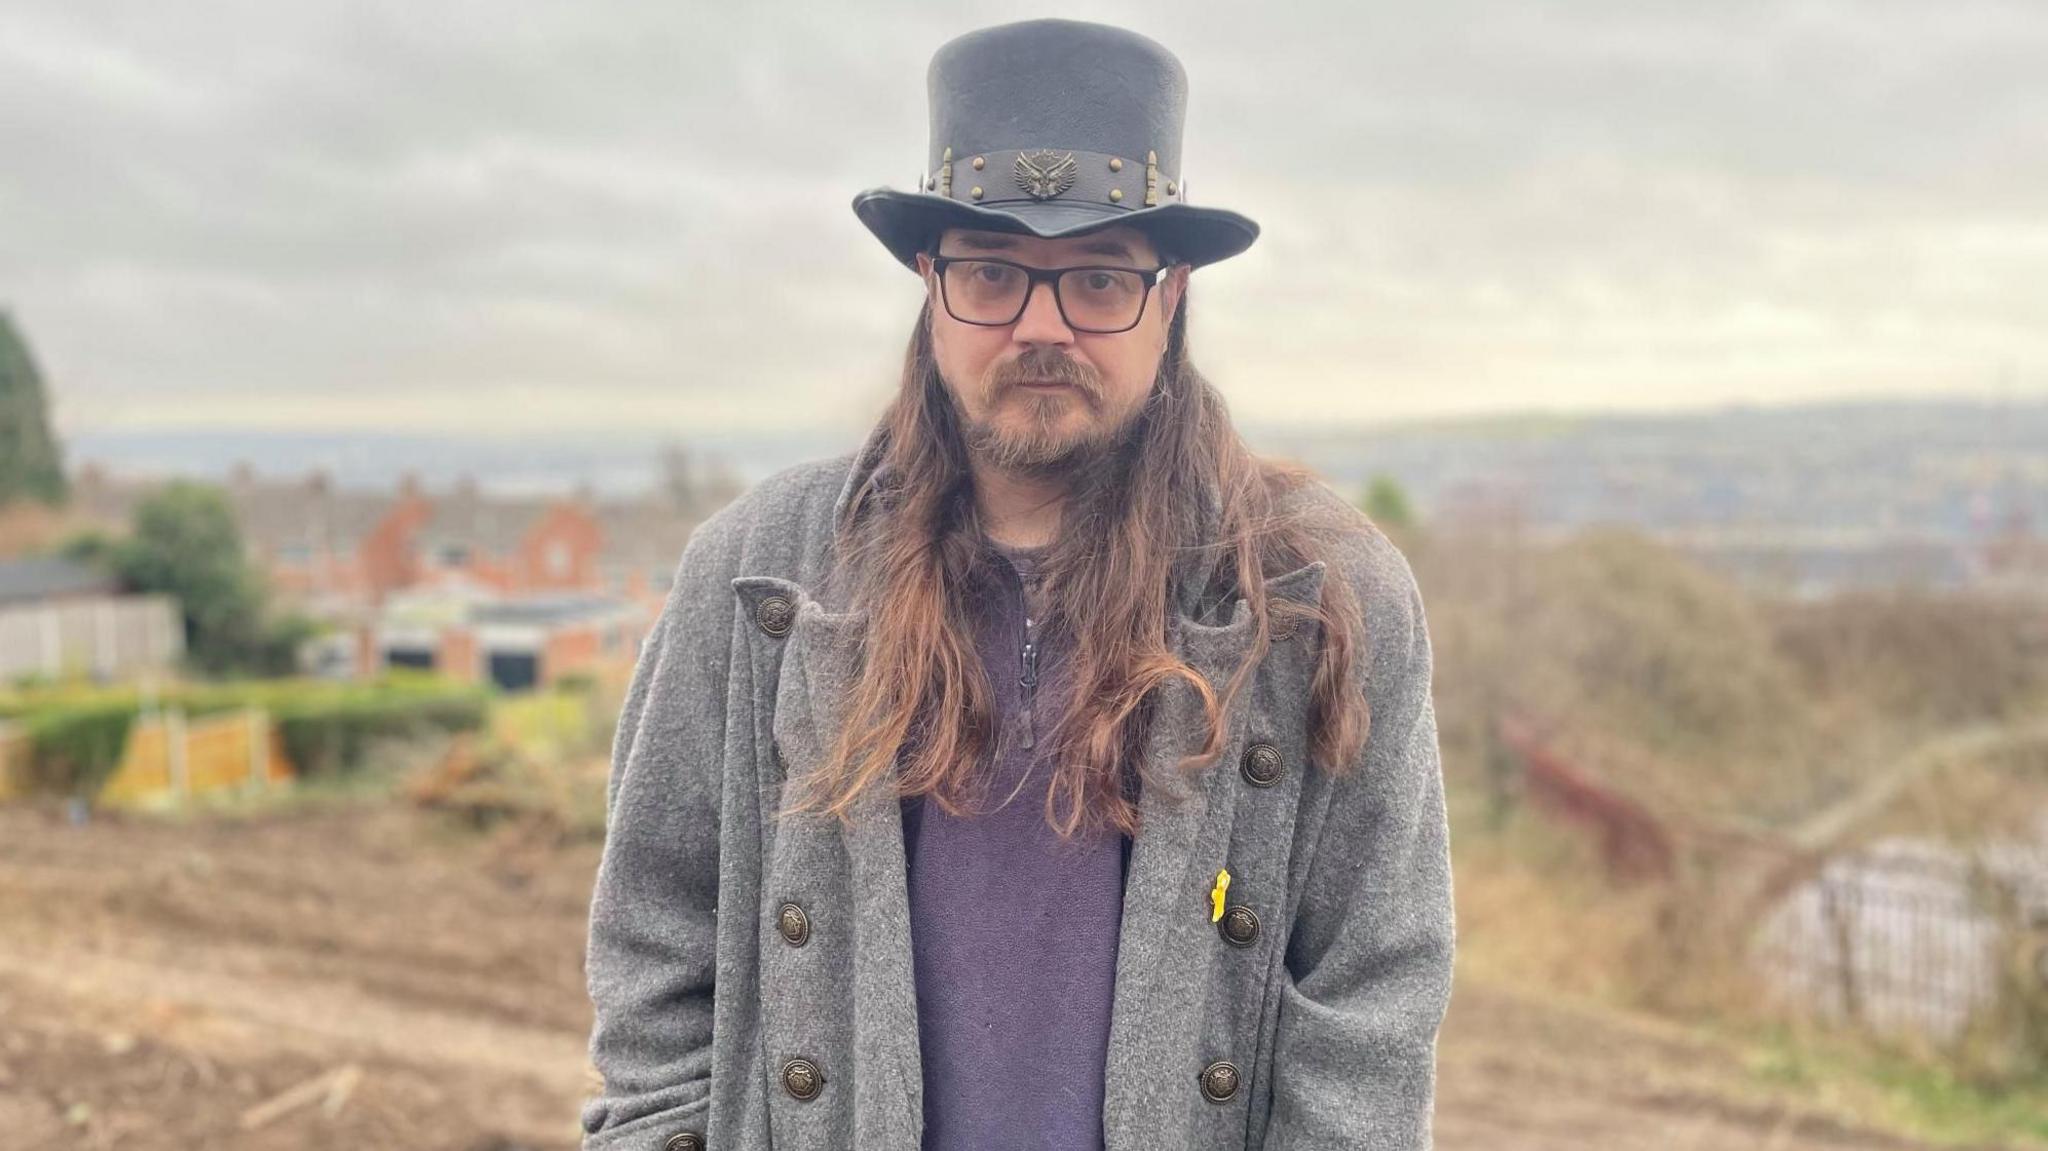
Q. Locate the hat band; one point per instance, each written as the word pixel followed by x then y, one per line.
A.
pixel 1064 175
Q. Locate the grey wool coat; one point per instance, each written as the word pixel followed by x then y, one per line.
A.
pixel 723 1023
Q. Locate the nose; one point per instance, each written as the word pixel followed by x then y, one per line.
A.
pixel 1041 322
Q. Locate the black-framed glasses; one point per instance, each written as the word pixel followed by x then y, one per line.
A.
pixel 1100 299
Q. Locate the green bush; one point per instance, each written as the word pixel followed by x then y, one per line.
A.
pixel 332 735
pixel 74 750
pixel 577 682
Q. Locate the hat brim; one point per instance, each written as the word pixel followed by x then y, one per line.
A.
pixel 906 223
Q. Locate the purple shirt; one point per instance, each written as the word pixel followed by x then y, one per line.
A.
pixel 1013 933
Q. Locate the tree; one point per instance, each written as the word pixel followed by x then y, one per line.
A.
pixel 1386 503
pixel 184 542
pixel 31 466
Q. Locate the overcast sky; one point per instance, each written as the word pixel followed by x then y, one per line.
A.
pixel 505 219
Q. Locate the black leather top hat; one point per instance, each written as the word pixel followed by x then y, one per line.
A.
pixel 1055 128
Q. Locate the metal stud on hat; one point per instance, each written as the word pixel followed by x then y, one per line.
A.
pixel 1084 122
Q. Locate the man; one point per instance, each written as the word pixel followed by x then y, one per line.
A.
pixel 1050 771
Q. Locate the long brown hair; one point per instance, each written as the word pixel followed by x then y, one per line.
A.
pixel 1178 497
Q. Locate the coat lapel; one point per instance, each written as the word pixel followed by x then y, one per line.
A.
pixel 823 657
pixel 1184 827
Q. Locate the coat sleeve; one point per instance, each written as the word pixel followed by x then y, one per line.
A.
pixel 1368 964
pixel 653 925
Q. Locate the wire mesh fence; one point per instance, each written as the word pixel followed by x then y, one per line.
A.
pixel 1907 937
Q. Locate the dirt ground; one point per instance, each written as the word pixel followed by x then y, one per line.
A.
pixel 370 978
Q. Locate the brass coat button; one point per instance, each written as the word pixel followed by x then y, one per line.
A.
pixel 1261 765
pixel 684 1141
pixel 1219 1081
pixel 775 613
pixel 801 1078
pixel 794 925
pixel 1239 925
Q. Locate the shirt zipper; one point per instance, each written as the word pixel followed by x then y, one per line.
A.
pixel 1029 679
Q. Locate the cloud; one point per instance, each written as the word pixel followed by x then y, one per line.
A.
pixel 491 216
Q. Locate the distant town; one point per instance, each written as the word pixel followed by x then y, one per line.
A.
pixel 1808 500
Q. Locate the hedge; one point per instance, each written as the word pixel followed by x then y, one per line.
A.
pixel 74 750
pixel 77 736
pixel 332 736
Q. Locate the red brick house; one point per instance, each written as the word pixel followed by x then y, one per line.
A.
pixel 571 581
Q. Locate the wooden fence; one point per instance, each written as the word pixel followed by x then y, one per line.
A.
pixel 13 761
pixel 170 757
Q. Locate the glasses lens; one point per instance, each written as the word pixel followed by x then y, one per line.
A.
pixel 1102 299
pixel 979 292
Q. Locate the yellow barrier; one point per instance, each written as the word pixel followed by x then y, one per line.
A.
pixel 13 762
pixel 169 756
pixel 145 769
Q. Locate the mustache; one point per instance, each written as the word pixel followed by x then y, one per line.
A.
pixel 1046 364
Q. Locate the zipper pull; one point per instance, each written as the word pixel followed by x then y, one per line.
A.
pixel 1029 682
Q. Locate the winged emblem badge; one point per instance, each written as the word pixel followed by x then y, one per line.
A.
pixel 1045 173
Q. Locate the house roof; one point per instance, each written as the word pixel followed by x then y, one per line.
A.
pixel 645 535
pixel 273 515
pixel 50 578
pixel 489 525
pixel 547 610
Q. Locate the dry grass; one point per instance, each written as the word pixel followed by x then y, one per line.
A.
pixel 1535 915
pixel 1734 718
pixel 1695 696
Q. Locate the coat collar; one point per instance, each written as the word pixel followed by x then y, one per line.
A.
pixel 1161 889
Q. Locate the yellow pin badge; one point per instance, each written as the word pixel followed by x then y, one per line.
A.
pixel 1216 895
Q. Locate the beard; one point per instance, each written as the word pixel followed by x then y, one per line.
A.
pixel 1039 438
